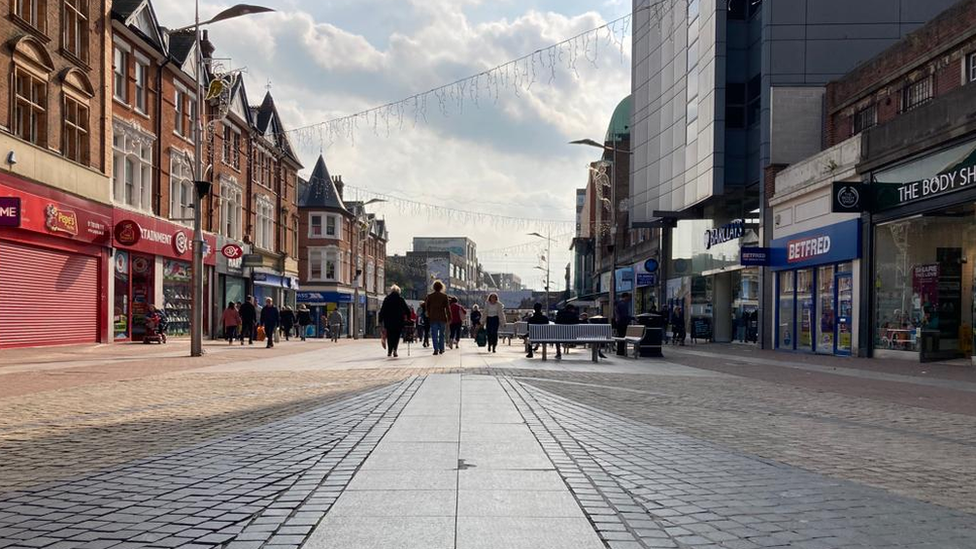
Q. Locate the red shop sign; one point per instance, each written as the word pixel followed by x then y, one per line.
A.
pixel 159 237
pixel 232 251
pixel 52 212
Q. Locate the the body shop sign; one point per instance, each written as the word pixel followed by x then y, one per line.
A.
pixel 53 213
pixel 831 244
pixel 159 237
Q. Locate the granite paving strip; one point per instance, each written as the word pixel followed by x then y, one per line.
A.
pixel 458 469
pixel 265 487
pixel 643 486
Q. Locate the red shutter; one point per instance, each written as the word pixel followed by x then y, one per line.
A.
pixel 47 297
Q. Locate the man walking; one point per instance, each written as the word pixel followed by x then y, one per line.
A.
pixel 304 320
pixel 270 319
pixel 438 308
pixel 335 325
pixel 249 316
pixel 621 315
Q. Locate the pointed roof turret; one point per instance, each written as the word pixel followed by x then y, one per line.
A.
pixel 320 191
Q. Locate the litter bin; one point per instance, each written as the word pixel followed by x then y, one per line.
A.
pixel 652 343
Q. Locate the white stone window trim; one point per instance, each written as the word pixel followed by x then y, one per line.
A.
pixel 231 207
pixel 137 146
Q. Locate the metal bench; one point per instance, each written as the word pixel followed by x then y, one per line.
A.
pixel 594 335
pixel 633 336
pixel 513 330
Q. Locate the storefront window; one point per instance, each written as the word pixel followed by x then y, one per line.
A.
pixel 924 284
pixel 785 339
pixel 121 299
pixel 178 293
pixel 745 305
pixel 142 293
pixel 805 310
pixel 826 312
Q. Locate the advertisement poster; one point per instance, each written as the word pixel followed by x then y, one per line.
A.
pixel 925 295
pixel 806 323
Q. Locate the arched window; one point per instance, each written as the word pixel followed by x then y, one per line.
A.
pixel 31 69
pixel 76 116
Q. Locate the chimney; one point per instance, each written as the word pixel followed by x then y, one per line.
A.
pixel 337 180
pixel 206 46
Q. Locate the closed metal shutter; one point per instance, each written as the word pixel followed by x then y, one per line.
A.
pixel 47 297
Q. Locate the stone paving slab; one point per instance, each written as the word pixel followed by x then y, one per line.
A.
pixel 650 487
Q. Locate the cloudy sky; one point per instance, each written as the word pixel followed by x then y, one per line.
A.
pixel 330 58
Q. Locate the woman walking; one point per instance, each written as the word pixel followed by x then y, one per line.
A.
pixel 475 321
pixel 393 315
pixel 304 320
pixel 494 319
pixel 438 309
pixel 457 319
pixel 232 319
pixel 423 327
pixel 287 321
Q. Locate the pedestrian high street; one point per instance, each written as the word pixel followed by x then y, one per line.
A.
pixel 333 445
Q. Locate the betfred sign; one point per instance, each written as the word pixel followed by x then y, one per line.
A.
pixel 9 211
pixel 807 249
pixel 835 243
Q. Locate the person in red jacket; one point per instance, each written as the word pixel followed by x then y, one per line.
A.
pixel 457 317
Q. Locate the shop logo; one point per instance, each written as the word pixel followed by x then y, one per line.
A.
pixel 725 233
pixel 128 233
pixel 9 211
pixel 232 251
pixel 807 248
pixel 848 197
pixel 140 265
pixel 651 265
pixel 180 243
pixel 61 221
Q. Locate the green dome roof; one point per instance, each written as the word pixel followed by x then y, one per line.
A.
pixel 620 122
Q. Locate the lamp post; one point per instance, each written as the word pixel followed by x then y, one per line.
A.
pixel 548 240
pixel 613 150
pixel 202 187
pixel 354 321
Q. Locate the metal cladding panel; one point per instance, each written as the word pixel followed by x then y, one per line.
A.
pixel 47 297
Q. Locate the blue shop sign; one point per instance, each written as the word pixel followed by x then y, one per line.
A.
pixel 831 244
pixel 323 297
pixel 646 279
pixel 265 279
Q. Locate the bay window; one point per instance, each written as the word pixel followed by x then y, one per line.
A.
pixel 132 163
pixel 264 234
pixel 231 208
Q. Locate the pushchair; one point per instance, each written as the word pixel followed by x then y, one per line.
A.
pixel 155 329
pixel 409 332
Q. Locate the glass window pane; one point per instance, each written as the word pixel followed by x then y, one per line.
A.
pixel 785 337
pixel 825 304
pixel 804 310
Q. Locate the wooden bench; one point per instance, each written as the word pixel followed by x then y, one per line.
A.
pixel 594 335
pixel 633 336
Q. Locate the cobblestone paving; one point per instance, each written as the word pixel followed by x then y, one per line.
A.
pixel 264 487
pixel 916 452
pixel 645 486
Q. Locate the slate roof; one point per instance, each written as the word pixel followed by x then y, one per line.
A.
pixel 265 115
pixel 319 191
pixel 180 46
pixel 123 9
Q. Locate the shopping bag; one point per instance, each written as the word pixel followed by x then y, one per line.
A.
pixel 383 337
pixel 481 339
pixel 309 331
pixel 261 334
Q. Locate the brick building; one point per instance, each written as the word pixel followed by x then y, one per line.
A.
pixel 55 222
pixel 342 251
pixel 890 276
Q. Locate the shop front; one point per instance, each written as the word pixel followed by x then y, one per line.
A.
pixel 153 267
pixel 231 281
pixel 815 275
pixel 272 285
pixel 54 257
pixel 719 296
pixel 322 303
pixel 924 238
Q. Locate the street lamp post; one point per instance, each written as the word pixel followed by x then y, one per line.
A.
pixel 548 240
pixel 613 150
pixel 202 187
pixel 360 241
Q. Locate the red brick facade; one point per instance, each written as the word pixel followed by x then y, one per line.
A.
pixel 933 60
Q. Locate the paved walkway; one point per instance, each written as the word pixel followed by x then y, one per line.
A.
pixel 458 469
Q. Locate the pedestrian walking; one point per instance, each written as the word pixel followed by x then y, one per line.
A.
pixel 423 325
pixel 678 332
pixel 304 321
pixel 249 317
pixel 393 315
pixel 287 321
pixel 335 324
pixel 232 318
pixel 458 312
pixel 537 317
pixel 438 308
pixel 494 316
pixel 475 317
pixel 621 315
pixel 270 319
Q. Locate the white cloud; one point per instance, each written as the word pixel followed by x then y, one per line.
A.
pixel 508 158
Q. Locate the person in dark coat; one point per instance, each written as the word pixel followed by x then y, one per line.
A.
pixel 393 315
pixel 568 315
pixel 270 319
pixel 304 320
pixel 287 321
pixel 537 318
pixel 423 325
pixel 249 317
